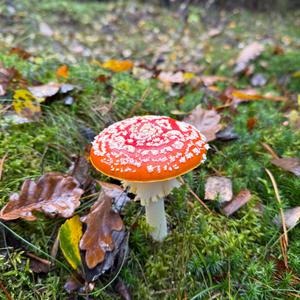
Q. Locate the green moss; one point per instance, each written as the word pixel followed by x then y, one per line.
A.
pixel 204 254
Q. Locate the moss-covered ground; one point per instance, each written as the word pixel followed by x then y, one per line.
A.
pixel 206 256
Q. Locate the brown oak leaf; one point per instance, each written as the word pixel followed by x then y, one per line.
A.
pixel 98 239
pixel 206 121
pixel 54 194
pixel 250 52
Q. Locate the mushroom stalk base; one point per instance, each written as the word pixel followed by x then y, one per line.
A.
pixel 156 218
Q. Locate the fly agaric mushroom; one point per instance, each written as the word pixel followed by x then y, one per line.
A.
pixel 147 153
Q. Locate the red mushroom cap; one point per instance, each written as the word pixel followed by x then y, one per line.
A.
pixel 148 149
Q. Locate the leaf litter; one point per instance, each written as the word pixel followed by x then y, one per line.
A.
pixel 206 121
pixel 54 194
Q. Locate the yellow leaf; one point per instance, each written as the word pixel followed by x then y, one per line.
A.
pixel 296 74
pixel 188 76
pixel 26 105
pixel 62 71
pixel 118 65
pixel 69 237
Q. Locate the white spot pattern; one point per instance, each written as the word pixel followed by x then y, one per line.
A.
pixel 153 142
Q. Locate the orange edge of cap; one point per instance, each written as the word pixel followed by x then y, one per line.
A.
pixel 172 175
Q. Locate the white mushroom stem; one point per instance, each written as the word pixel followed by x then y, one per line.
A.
pixel 151 195
pixel 156 218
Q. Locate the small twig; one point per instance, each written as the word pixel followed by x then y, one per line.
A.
pixel 39 259
pixel 1 164
pixel 270 150
pixel 6 108
pixel 284 239
pixel 55 246
pixel 294 295
pixel 195 195
pixel 6 293
pixel 166 291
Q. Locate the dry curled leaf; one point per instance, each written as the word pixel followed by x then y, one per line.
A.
pixel 218 187
pixel 8 77
pixel 50 89
pixel 206 121
pixel 119 196
pixel 118 65
pixel 238 201
pixel 20 52
pixel 233 96
pixel 45 29
pixel 27 105
pixel 227 134
pixel 62 71
pixel 294 119
pixel 251 123
pixel 38 264
pixel 101 222
pixel 291 216
pixel 209 80
pixel 122 290
pixel 170 77
pixel 290 164
pixel 54 194
pixel 80 169
pixel 258 80
pixel 250 52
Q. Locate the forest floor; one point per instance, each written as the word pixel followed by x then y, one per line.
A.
pixel 207 255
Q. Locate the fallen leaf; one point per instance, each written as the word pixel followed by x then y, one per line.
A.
pixel 258 80
pixel 249 53
pixel 45 29
pixel 294 119
pixel 206 121
pixel 101 222
pixel 48 92
pixel 37 264
pixel 142 73
pixel 80 169
pixel 234 96
pixel 218 187
pixel 122 289
pixel 113 259
pixel 14 119
pixel 214 32
pixel 292 217
pixel 103 78
pixel 73 284
pixel 62 71
pixel 8 76
pixel 119 196
pixel 170 77
pixel 68 100
pixel 20 52
pixel 288 164
pixel 54 194
pixel 251 123
pixel 45 90
pixel 227 134
pixel 118 65
pixel 70 234
pixel 210 80
pixel 238 201
pixel 26 105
